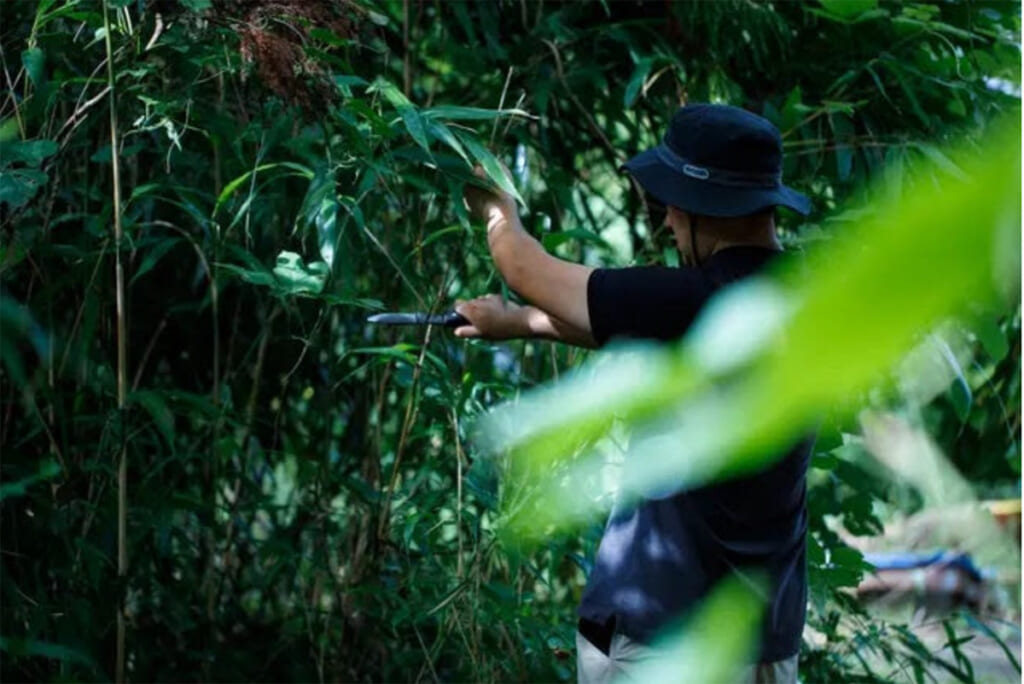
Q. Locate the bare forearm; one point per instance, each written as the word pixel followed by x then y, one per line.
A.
pixel 554 286
pixel 491 317
pixel 541 324
pixel 512 249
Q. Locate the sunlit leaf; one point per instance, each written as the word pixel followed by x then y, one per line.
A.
pixel 297 277
pixel 491 166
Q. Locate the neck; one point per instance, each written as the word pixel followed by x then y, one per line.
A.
pixel 724 233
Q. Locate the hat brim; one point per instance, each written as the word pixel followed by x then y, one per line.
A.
pixel 674 188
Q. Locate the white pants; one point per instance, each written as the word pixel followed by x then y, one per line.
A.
pixel 625 657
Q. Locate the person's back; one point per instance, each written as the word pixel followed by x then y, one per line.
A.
pixel 717 175
pixel 657 560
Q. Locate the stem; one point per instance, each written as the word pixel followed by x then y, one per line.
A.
pixel 458 493
pixel 501 106
pixel 11 96
pixel 411 410
pixel 406 67
pixel 122 360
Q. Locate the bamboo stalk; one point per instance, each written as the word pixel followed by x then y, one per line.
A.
pixel 122 361
pixel 406 64
pixel 458 493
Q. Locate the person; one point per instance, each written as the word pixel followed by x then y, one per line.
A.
pixel 718 175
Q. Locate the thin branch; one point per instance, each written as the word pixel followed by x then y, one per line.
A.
pixel 11 95
pixel 145 354
pixel 406 65
pixel 157 30
pixel 122 359
pixel 501 105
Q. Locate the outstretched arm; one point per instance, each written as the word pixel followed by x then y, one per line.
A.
pixel 493 319
pixel 558 288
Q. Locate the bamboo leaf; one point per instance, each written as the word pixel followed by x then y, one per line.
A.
pixel 441 132
pixel 457 113
pixel 232 186
pixel 34 62
pixel 636 81
pixel 47 471
pixel 153 256
pixel 28 152
pixel 153 403
pixel 410 116
pixel 491 166
pixel 16 648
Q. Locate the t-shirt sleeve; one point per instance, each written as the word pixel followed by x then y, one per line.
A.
pixel 645 302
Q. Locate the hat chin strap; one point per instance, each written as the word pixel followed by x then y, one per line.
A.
pixel 692 218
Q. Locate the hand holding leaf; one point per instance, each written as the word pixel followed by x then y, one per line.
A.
pixel 486 201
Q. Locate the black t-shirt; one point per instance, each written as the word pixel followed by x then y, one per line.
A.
pixel 659 559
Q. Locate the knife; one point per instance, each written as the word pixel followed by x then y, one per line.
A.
pixel 448 319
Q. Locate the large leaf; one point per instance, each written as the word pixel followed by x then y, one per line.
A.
pixel 28 152
pixel 18 186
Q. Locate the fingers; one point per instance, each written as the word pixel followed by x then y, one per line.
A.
pixel 472 306
pixel 467 310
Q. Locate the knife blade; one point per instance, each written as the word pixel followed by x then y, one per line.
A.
pixel 448 319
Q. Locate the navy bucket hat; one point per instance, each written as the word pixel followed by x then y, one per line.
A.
pixel 717 160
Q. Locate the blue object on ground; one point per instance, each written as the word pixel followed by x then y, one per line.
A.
pixel 908 560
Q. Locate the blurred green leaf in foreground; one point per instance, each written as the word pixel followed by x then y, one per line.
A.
pixel 713 644
pixel 770 355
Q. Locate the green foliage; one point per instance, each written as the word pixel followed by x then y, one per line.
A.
pixel 303 500
pixel 20 175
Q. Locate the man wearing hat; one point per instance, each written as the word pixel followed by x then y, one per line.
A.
pixel 717 176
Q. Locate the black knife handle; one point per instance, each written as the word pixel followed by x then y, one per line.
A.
pixel 451 319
